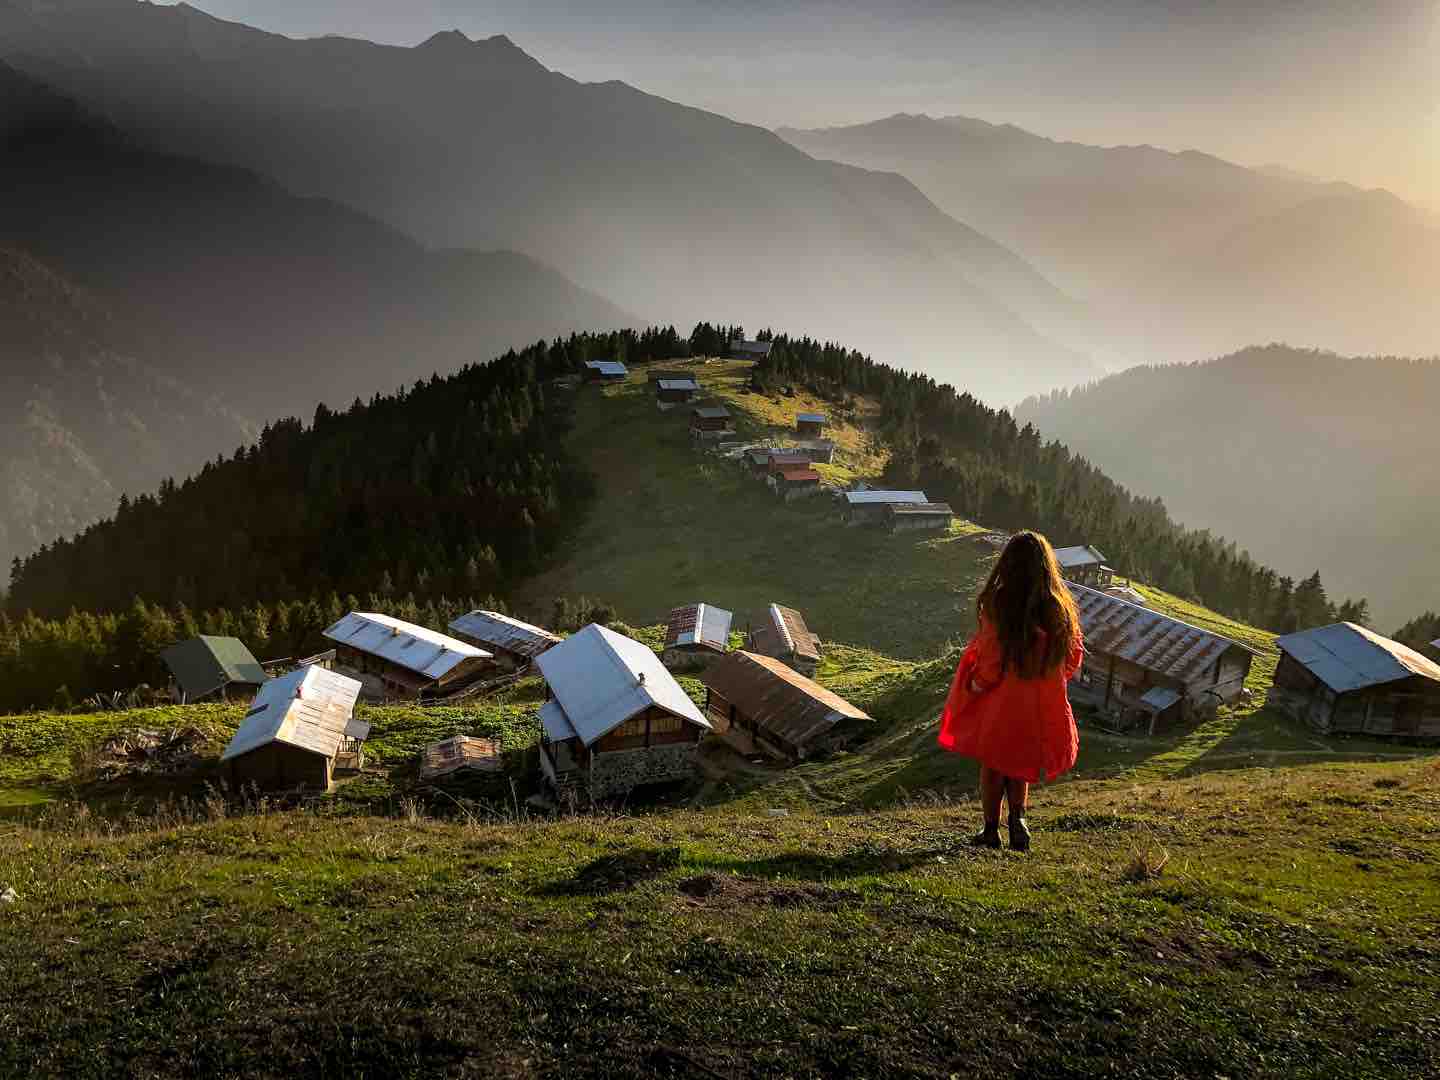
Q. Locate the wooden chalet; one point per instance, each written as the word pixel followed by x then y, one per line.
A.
pixel 783 635
pixel 908 517
pixel 759 703
pixel 300 731
pixel 671 392
pixel 749 350
pixel 810 425
pixel 1084 565
pixel 1143 668
pixel 511 643
pixel 871 505
pixel 710 422
pixel 818 450
pixel 209 668
pixel 1346 679
pixel 399 661
pixel 792 482
pixel 605 371
pixel 696 635
pixel 615 719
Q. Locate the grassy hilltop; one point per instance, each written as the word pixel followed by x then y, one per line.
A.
pixel 1237 898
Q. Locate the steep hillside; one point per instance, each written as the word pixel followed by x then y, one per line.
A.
pixel 1189 254
pixel 668 210
pixel 83 418
pixel 1313 460
pixel 241 288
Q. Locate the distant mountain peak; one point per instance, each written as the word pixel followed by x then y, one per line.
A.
pixel 446 39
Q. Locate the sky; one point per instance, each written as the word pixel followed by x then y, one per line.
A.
pixel 1347 91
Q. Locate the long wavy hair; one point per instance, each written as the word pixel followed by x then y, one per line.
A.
pixel 1025 593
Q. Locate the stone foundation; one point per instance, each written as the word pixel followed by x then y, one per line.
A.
pixel 620 771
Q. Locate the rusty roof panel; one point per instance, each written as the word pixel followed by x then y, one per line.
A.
pixel 779 699
pixel 699 625
pixel 504 632
pixel 1154 641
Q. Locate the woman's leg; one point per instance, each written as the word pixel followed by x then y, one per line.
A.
pixel 1017 792
pixel 992 791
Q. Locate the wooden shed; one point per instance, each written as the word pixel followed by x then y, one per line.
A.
pixel 671 392
pixel 783 635
pixel 1347 679
pixel 696 635
pixel 615 719
pixel 810 425
pixel 605 371
pixel 300 731
pixel 871 506
pixel 399 661
pixel 1084 565
pixel 908 517
pixel 1143 668
pixel 208 668
pixel 511 643
pixel 749 350
pixel 760 703
pixel 710 422
pixel 792 482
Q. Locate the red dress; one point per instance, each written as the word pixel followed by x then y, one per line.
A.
pixel 1022 728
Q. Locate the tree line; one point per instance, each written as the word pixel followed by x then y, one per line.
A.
pixel 992 470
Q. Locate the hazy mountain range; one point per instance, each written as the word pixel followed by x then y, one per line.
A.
pixel 1310 460
pixel 671 212
pixel 1183 255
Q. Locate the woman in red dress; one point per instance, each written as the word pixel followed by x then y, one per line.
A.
pixel 1007 706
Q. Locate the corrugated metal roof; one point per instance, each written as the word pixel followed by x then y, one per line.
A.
pixel 204 664
pixel 922 508
pixel 710 412
pixel 310 708
pixel 811 418
pixel 785 633
pixel 1159 698
pixel 557 725
pixel 755 348
pixel 861 498
pixel 607 367
pixel 699 624
pixel 1071 557
pixel 777 698
pixel 678 384
pixel 1154 641
pixel 796 475
pixel 1345 656
pixel 502 632
pixel 601 679
pixel 416 648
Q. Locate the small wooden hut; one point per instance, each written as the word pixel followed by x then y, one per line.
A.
pixel 605 371
pixel 783 635
pixel 671 392
pixel 300 731
pixel 1348 679
pixel 208 668
pixel 710 422
pixel 749 350
pixel 793 482
pixel 871 505
pixel 760 703
pixel 810 425
pixel 1084 565
pixel 615 719
pixel 908 517
pixel 512 644
pixel 696 635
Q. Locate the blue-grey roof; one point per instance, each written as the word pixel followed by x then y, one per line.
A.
pixel 677 384
pixel 416 648
pixel 870 497
pixel 1346 657
pixel 711 412
pixel 1159 698
pixel 811 418
pixel 607 367
pixel 600 679
pixel 503 632
pixel 1081 555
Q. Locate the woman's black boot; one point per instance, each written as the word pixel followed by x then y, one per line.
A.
pixel 987 837
pixel 1019 833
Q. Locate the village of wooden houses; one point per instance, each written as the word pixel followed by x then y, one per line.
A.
pixel 616 720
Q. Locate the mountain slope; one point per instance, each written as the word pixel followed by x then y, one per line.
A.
pixel 1191 255
pixel 1311 459
pixel 82 418
pixel 672 211
pixel 276 301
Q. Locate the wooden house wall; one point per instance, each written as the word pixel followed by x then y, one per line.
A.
pixel 276 766
pixel 809 429
pixel 652 727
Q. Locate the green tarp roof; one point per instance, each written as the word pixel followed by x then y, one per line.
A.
pixel 205 664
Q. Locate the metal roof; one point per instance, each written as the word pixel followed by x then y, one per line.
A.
pixel 204 664
pixel 1156 642
pixel 677 384
pixel 811 418
pixel 607 367
pixel 785 633
pixel 1345 656
pixel 1071 557
pixel 416 648
pixel 699 624
pixel 710 412
pixel 502 632
pixel 797 474
pixel 758 348
pixel 310 708
pixel 600 679
pixel 922 508
pixel 859 498
pixel 1159 698
pixel 779 699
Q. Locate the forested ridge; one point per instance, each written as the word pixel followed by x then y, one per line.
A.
pixel 994 471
